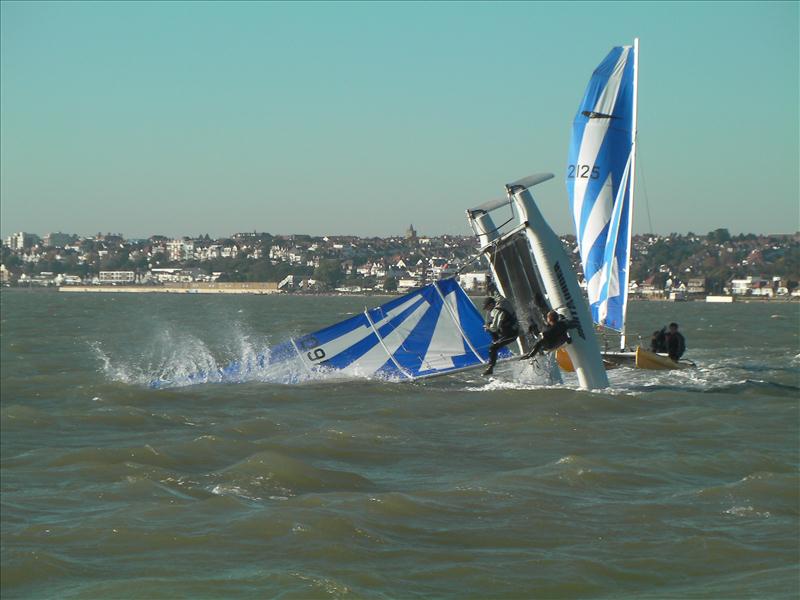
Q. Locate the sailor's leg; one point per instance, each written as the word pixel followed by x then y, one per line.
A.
pixel 493 349
pixel 537 347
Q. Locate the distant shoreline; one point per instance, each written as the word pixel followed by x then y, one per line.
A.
pixel 260 289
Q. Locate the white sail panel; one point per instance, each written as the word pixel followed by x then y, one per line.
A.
pixel 446 341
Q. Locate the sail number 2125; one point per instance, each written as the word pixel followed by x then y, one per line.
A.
pixel 583 172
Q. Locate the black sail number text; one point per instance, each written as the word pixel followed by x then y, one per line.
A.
pixel 316 354
pixel 583 172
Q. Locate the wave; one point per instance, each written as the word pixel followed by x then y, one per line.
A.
pixel 274 475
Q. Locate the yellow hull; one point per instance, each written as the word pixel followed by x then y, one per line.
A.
pixel 650 360
pixel 644 359
pixel 565 362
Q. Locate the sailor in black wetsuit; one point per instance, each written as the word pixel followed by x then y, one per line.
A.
pixel 501 323
pixel 676 343
pixel 658 343
pixel 553 336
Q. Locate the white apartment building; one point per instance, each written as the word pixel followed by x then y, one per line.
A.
pixel 473 282
pixel 180 250
pixel 116 277
pixel 21 240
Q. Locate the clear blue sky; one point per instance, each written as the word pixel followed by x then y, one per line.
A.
pixel 360 118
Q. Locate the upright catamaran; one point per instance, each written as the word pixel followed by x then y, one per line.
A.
pixel 600 183
pixel 601 173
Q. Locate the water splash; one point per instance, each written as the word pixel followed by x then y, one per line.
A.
pixel 174 359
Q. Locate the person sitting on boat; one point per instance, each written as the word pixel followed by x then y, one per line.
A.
pixel 502 324
pixel 554 335
pixel 658 343
pixel 676 343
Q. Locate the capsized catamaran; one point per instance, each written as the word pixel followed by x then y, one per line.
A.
pixel 600 183
pixel 431 331
pixel 532 270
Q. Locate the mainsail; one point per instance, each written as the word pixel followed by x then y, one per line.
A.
pixel 431 331
pixel 600 181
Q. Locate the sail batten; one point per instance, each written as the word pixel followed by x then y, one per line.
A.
pixel 600 183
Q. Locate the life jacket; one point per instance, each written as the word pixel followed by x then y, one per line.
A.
pixel 502 319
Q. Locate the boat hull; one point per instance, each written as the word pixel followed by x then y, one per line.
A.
pixel 639 359
pixel 650 360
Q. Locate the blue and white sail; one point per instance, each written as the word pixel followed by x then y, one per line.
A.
pixel 600 182
pixel 431 331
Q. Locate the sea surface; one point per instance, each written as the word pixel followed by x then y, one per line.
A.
pixel 678 484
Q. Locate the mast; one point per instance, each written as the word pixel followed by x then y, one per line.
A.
pixel 633 180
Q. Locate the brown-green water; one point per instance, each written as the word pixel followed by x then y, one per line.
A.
pixel 670 485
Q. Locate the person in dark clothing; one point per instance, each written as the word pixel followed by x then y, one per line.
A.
pixel 658 343
pixel 501 323
pixel 554 335
pixel 676 343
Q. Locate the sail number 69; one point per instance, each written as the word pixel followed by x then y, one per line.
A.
pixel 583 172
pixel 316 354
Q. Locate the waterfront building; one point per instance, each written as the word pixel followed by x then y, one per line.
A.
pixel 180 250
pixel 475 281
pixel 406 284
pixel 741 287
pixel 22 240
pixel 696 286
pixel 114 277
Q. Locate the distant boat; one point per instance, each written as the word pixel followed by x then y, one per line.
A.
pixel 600 178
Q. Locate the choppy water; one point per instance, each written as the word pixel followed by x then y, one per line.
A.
pixel 672 484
